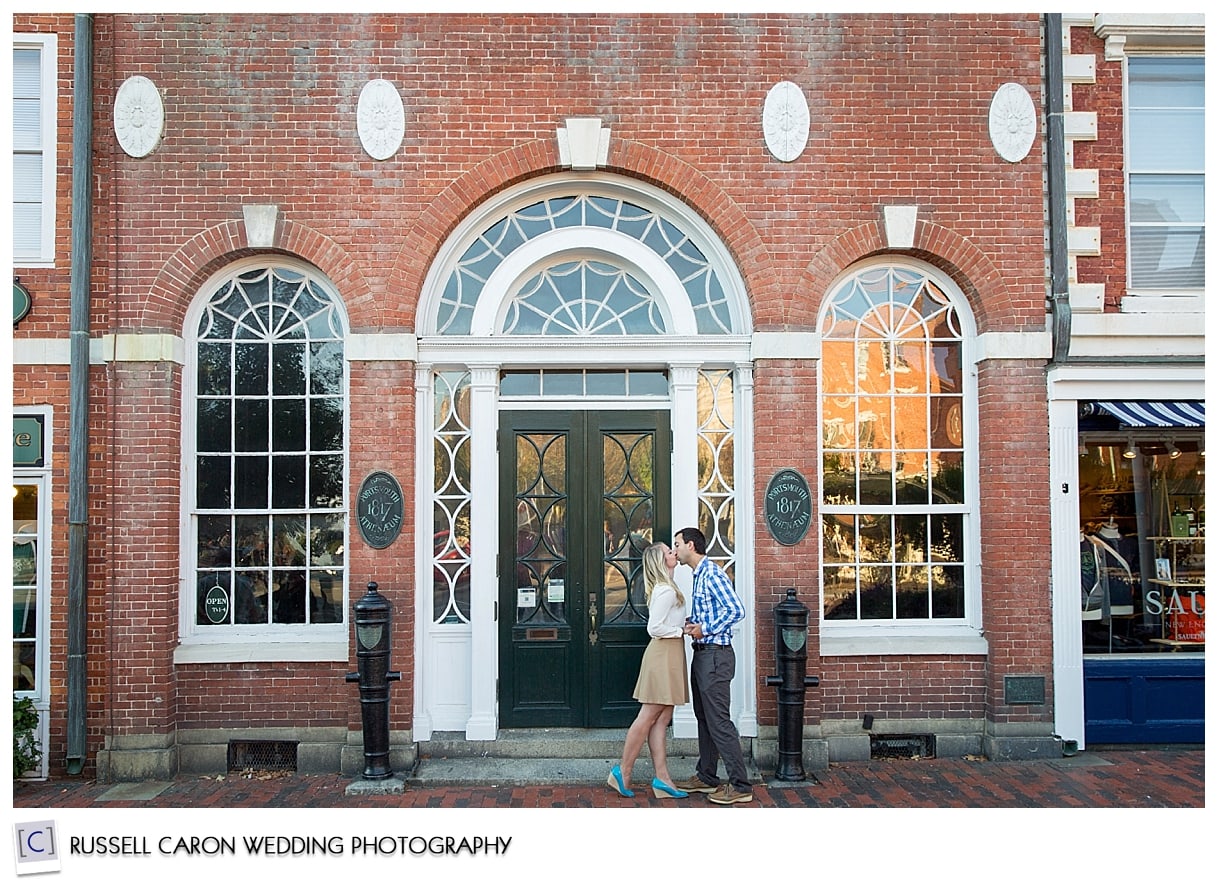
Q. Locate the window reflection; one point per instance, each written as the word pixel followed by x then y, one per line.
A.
pixel 892 441
pixel 26 587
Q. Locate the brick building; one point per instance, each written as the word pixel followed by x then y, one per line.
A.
pixel 475 307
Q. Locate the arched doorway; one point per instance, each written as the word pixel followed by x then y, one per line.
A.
pixel 584 357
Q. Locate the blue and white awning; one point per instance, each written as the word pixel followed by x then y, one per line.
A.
pixel 1157 414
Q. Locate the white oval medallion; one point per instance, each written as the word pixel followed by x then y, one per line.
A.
pixel 1013 122
pixel 785 121
pixel 139 116
pixel 380 119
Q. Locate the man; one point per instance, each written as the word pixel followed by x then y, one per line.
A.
pixel 714 609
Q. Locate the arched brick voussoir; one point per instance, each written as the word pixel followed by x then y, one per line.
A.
pixel 208 251
pixel 960 258
pixel 537 158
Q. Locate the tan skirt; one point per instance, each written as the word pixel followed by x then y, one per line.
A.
pixel 662 675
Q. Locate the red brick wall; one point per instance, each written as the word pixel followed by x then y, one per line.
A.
pixel 1013 425
pixel 919 687
pixel 261 109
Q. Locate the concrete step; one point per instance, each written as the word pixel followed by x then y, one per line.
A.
pixel 523 757
pixel 543 744
pixel 520 772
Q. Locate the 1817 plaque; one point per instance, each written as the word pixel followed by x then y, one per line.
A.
pixel 379 509
pixel 788 506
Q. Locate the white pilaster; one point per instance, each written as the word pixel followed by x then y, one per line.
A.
pixel 1068 713
pixel 684 381
pixel 483 722
pixel 424 481
pixel 744 687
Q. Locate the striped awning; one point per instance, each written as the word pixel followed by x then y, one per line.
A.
pixel 1161 414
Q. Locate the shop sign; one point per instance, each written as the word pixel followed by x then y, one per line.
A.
pixel 215 605
pixel 379 509
pixel 27 441
pixel 788 506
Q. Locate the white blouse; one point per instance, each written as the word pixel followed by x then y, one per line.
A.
pixel 665 615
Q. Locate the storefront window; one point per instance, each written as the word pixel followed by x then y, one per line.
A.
pixel 1142 540
pixel 28 584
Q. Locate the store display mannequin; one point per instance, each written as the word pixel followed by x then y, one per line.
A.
pixel 1107 577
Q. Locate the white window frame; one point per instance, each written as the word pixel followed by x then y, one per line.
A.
pixel 1150 34
pixel 921 636
pixel 48 46
pixel 40 477
pixel 262 643
pixel 1172 297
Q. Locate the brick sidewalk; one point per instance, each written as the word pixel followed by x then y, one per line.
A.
pixel 1113 778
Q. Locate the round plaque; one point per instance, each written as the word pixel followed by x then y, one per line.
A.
pixel 380 119
pixel 785 121
pixel 788 506
pixel 379 509
pixel 1012 121
pixel 139 116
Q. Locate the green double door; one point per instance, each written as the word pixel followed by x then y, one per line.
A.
pixel 582 494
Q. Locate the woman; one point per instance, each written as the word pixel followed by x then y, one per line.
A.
pixel 663 682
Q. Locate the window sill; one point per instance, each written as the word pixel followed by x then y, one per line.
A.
pixel 1173 301
pixel 870 640
pixel 324 650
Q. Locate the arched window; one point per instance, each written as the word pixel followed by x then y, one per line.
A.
pixel 266 487
pixel 897 499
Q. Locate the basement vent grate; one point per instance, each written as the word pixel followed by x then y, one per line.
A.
pixel 902 746
pixel 263 756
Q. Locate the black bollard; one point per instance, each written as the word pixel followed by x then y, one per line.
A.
pixel 791 655
pixel 372 617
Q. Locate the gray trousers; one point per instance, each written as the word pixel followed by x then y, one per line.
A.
pixel 711 679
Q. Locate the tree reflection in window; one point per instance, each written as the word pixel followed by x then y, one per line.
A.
pixel 892 439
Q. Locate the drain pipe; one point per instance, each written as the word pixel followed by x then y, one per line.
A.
pixel 78 382
pixel 1055 147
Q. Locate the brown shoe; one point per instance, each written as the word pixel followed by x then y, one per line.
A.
pixel 693 784
pixel 729 795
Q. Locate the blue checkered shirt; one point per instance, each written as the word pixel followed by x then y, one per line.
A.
pixel 714 604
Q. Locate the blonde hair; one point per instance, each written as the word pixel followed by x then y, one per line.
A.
pixel 655 573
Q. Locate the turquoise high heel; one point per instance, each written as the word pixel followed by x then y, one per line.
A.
pixel 663 791
pixel 615 781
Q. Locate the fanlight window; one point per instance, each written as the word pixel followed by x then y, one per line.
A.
pixel 584 298
pixel 563 283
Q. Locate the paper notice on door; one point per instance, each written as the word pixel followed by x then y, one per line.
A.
pixel 526 598
pixel 556 591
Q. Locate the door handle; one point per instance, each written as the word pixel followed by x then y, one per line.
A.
pixel 592 635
